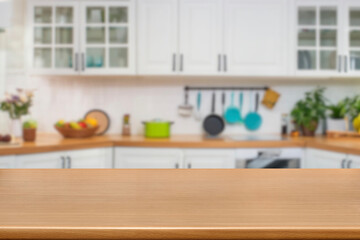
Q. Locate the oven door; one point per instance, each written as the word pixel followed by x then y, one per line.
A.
pixel 271 163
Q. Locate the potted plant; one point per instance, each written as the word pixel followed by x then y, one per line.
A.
pixel 307 113
pixel 336 120
pixel 29 131
pixel 17 105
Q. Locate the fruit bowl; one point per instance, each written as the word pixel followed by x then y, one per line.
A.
pixel 68 132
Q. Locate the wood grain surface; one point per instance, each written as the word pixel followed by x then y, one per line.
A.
pixel 180 204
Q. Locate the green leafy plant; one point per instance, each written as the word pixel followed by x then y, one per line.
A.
pixel 30 124
pixel 353 106
pixel 339 110
pixel 307 112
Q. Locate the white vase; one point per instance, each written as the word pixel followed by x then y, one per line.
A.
pixel 336 124
pixel 16 127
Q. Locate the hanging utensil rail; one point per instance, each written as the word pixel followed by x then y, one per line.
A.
pixel 188 88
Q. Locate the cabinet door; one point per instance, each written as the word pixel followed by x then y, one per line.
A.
pixel 353 161
pixel 148 158
pixel 255 37
pixel 53 37
pixel 42 160
pixel 324 159
pixel 91 158
pixel 157 37
pixel 7 162
pixel 351 33
pixel 318 38
pixel 108 39
pixel 200 37
pixel 207 158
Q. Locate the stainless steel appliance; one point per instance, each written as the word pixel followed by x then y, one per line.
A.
pixel 269 158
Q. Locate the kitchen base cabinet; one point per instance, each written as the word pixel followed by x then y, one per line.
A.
pixel 89 158
pixel 352 161
pixel 41 161
pixel 146 158
pixel 324 159
pixel 209 158
pixel 7 162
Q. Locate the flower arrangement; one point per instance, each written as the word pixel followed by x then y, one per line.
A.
pixel 18 104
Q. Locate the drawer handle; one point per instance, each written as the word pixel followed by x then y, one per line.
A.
pixel 349 164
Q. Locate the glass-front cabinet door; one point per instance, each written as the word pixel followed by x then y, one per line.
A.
pixel 318 38
pixel 352 36
pixel 107 37
pixel 53 37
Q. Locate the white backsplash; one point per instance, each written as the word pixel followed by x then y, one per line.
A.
pixel 70 98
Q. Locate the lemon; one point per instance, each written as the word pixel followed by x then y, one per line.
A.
pixel 356 123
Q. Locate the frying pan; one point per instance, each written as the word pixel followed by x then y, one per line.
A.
pixel 213 124
pixel 253 120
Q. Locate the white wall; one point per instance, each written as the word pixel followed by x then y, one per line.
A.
pixel 144 98
pixel 149 98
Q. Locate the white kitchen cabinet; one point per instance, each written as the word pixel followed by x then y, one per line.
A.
pixel 146 158
pixel 7 162
pixel 53 34
pixel 78 37
pixel 351 35
pixel 201 37
pixel 319 38
pixel 324 159
pixel 5 14
pixel 255 37
pixel 51 160
pixel 353 161
pixel 157 37
pixel 91 158
pixel 107 37
pixel 209 158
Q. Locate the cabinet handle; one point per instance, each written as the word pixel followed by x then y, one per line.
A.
pixel 225 63
pixel 177 165
pixel 174 63
pixel 349 164
pixel 345 63
pixel 343 163
pixel 69 162
pixel 181 62
pixel 189 165
pixel 219 62
pixel 339 63
pixel 76 62
pixel 63 163
pixel 83 62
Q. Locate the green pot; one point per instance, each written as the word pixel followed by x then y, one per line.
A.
pixel 157 129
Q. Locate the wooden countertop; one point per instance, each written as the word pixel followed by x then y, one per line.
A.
pixel 54 142
pixel 180 204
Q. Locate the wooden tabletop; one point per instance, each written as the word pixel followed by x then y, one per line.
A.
pixel 179 204
pixel 54 142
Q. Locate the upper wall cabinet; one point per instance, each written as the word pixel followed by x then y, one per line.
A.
pixel 255 37
pixel 157 36
pixel 179 37
pixel 201 37
pixel 351 33
pixel 213 37
pixel 318 38
pixel 327 37
pixel 73 37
